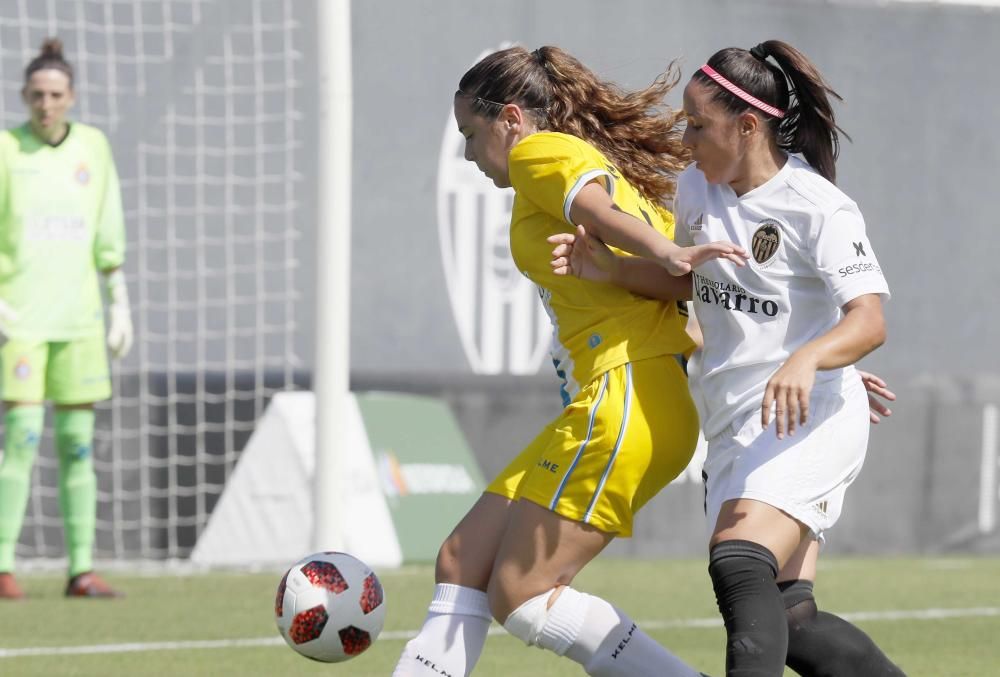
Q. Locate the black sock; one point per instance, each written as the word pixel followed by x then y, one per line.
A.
pixel 821 644
pixel 743 576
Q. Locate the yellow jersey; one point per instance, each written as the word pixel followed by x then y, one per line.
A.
pixel 596 326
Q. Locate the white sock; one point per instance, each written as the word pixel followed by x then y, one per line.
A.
pixel 451 640
pixel 601 638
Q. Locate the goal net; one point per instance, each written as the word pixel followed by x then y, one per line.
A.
pixel 201 100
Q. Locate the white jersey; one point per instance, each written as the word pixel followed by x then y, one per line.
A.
pixel 809 255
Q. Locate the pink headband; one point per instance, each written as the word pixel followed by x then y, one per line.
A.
pixel 736 91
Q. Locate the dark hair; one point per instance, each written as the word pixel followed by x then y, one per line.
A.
pixel 808 126
pixel 50 56
pixel 635 130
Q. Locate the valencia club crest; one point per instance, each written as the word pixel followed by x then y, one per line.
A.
pixel 765 242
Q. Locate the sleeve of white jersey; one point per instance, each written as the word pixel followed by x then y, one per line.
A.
pixel 845 260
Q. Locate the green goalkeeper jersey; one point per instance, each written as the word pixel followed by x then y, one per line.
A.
pixel 61 222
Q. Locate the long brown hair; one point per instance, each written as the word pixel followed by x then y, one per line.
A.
pixel 808 126
pixel 50 56
pixel 635 130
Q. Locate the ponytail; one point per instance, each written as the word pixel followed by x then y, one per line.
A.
pixel 808 125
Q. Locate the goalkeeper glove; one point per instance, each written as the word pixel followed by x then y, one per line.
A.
pixel 120 329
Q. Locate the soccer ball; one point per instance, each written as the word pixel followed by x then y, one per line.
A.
pixel 330 606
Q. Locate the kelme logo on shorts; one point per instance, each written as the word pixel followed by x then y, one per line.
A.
pixel 502 326
pixel 765 241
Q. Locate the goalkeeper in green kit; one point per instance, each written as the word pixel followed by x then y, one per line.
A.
pixel 61 234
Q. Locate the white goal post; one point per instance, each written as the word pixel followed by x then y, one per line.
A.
pixel 333 271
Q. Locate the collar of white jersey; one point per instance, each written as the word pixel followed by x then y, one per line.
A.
pixel 768 186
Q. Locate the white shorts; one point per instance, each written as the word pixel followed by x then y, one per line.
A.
pixel 804 475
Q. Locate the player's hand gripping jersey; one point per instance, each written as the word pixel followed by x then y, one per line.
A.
pixel 809 256
pixel 596 326
pixel 60 223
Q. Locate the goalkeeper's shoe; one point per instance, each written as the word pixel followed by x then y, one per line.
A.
pixel 9 589
pixel 89 584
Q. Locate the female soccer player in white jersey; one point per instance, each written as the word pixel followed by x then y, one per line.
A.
pixel 781 336
pixel 575 150
pixel 61 224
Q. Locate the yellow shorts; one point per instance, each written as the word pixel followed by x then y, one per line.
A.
pixel 625 436
pixel 65 372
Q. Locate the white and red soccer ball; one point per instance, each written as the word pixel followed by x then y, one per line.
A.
pixel 330 606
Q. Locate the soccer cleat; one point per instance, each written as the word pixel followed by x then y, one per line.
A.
pixel 9 589
pixel 89 584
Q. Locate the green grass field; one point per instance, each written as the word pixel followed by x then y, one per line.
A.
pixel 935 617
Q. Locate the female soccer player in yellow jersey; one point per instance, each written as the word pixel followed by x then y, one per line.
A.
pixel 61 224
pixel 576 150
pixel 781 336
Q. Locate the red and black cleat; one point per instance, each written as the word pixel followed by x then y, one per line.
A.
pixel 89 584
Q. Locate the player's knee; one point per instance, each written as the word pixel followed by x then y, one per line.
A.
pixel 23 434
pixel 549 624
pixel 800 605
pixel 447 566
pixel 743 576
pixel 506 593
pixel 527 620
pixel 740 569
pixel 74 431
pixel 458 566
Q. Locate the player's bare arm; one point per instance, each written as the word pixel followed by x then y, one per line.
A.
pixel 586 257
pixel 859 332
pixel 594 209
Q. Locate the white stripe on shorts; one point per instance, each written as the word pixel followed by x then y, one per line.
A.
pixel 583 445
pixel 618 443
